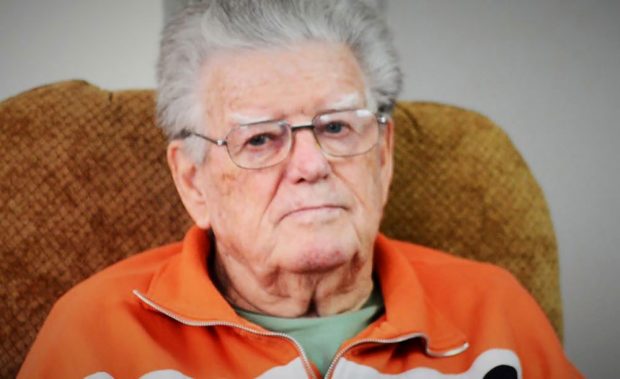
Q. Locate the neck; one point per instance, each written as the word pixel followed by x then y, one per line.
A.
pixel 287 294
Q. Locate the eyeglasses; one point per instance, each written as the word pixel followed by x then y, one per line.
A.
pixel 264 144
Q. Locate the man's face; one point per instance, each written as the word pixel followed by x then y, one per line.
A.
pixel 310 213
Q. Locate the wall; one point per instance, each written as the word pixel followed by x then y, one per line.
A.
pixel 111 43
pixel 547 71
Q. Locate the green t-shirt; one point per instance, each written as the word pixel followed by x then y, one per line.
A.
pixel 321 337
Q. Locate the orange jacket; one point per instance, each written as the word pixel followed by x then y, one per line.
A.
pixel 158 314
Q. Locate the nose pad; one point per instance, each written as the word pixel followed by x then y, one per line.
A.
pixel 307 160
pixel 305 134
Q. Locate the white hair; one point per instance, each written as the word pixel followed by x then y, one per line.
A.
pixel 202 29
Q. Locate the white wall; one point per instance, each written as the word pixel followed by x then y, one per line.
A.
pixel 112 43
pixel 548 71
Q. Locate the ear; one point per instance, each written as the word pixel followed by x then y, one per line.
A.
pixel 187 177
pixel 387 158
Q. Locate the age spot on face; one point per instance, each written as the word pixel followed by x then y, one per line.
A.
pixel 227 183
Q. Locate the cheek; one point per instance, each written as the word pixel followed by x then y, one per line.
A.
pixel 362 177
pixel 225 197
pixel 220 184
pixel 237 198
pixel 370 175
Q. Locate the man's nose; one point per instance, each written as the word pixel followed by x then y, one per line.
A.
pixel 307 162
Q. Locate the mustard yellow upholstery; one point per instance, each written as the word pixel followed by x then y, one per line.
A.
pixel 84 183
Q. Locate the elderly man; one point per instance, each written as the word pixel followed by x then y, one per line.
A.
pixel 281 148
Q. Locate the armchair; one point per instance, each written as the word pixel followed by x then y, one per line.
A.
pixel 84 183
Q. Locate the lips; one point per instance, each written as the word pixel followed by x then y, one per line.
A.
pixel 309 210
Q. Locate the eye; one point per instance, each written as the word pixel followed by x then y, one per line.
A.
pixel 335 127
pixel 259 140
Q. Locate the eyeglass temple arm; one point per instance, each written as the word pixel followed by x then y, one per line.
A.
pixel 382 118
pixel 184 133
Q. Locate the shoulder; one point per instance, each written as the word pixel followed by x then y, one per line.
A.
pixel 113 286
pixel 451 280
pixel 95 316
pixel 429 262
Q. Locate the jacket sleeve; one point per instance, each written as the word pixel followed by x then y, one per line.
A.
pixel 66 346
pixel 539 348
pixel 84 334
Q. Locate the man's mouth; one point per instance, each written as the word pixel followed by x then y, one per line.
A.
pixel 314 212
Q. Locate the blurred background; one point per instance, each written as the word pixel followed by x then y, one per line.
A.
pixel 547 71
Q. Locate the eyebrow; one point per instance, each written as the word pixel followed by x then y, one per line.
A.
pixel 243 119
pixel 347 101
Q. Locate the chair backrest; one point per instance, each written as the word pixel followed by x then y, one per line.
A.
pixel 84 183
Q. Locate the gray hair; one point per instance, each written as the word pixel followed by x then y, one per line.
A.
pixel 202 29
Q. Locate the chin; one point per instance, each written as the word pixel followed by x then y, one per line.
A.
pixel 314 242
pixel 318 260
pixel 319 252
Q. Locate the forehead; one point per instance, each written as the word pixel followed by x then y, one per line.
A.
pixel 275 82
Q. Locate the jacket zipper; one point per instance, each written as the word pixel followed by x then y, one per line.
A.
pixel 300 349
pixel 444 354
pixel 188 322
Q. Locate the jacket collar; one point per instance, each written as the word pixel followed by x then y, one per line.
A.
pixel 408 310
pixel 183 286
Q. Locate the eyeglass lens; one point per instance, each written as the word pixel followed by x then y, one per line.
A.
pixel 340 134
